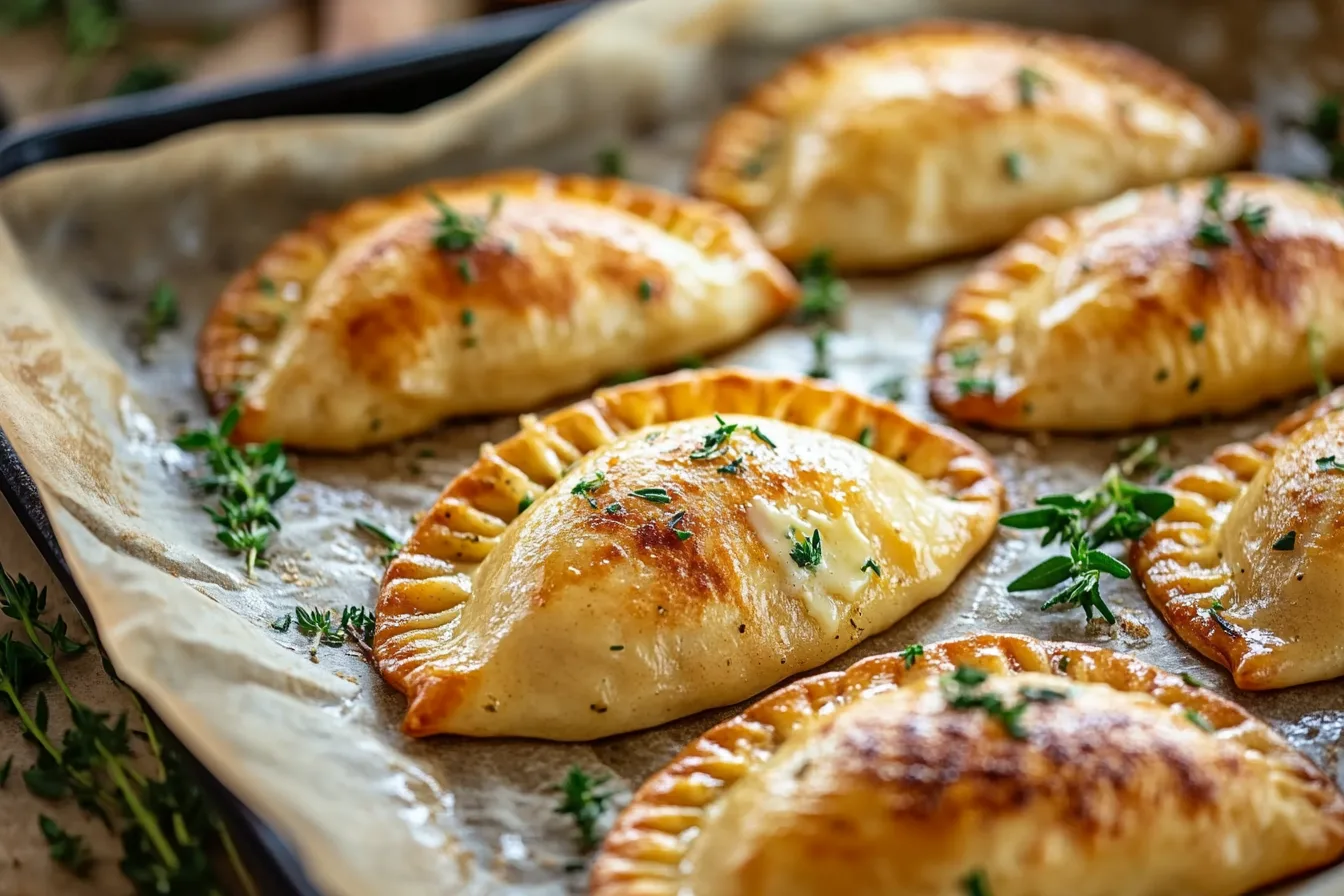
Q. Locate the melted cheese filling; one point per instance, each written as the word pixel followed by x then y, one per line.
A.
pixel 844 550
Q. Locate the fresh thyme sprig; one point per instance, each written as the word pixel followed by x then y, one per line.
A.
pixel 961 691
pixel 358 623
pixel 583 799
pixel 588 486
pixel 325 629
pixel 716 443
pixel 161 313
pixel 824 294
pixel 976 884
pixel 823 301
pixel 320 625
pixel 1213 230
pixel 610 162
pixel 1142 455
pixel 806 552
pixel 1324 127
pixel 1115 510
pixel 456 232
pixel 168 830
pixel 248 481
pixel 390 543
pixel 1028 80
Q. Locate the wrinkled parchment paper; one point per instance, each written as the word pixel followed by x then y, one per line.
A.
pixel 314 747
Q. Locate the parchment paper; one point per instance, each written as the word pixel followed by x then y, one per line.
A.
pixel 314 747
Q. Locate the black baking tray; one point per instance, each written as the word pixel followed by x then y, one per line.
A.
pixel 391 81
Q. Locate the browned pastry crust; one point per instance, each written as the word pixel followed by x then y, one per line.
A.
pixel 867 781
pixel 356 329
pixel 894 148
pixel 1219 566
pixel 1118 316
pixel 487 600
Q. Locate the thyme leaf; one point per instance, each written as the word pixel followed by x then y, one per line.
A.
pixel 247 483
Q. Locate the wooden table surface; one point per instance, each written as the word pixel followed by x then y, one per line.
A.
pixel 38 76
pixel 25 867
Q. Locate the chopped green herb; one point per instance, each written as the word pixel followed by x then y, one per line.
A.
pixel 653 495
pixel 281 624
pixel 618 647
pixel 1216 614
pixel 645 290
pixel 732 468
pixel 892 389
pixel 1286 542
pixel 1064 664
pixel 627 376
pixel 1012 166
pixel 1027 82
pixel 145 75
pixel 91 27
pixel 976 884
pixel 585 487
pixel 824 295
pixel 690 362
pixel 613 508
pixel 674 520
pixel 611 162
pixel 1199 721
pixel 1329 463
pixel 869 564
pixel 716 443
pixel 1191 680
pixel 1213 230
pixel 911 654
pixel 807 554
pixel 267 286
pixel 866 437
pixel 760 436
pixel 975 386
pixel 582 800
pixel 961 691
pixel 466 270
pixel 966 357
pixel 525 502
pixel 753 167
pixel 468 317
pixel 1197 332
pixel 1212 234
pixel 390 543
pixel 455 232
pixel 1162 375
pixel 1195 382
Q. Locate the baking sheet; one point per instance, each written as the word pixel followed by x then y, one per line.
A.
pixel 314 747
